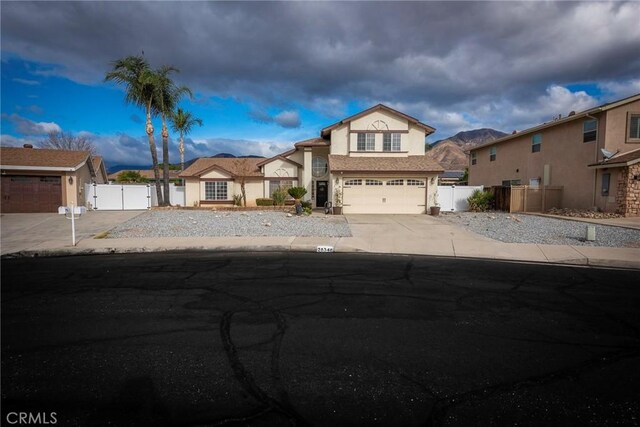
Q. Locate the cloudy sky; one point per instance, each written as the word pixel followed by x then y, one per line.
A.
pixel 267 74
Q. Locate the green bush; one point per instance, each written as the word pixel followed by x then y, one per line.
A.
pixel 237 200
pixel 297 192
pixel 279 196
pixel 264 202
pixel 479 201
pixel 307 211
pixel 306 205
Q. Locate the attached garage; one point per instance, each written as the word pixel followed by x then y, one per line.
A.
pixel 41 180
pixel 385 185
pixel 27 193
pixel 391 195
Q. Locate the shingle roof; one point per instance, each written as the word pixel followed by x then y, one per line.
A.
pixel 229 165
pixel 624 159
pixel 410 164
pixel 42 158
pixel 313 142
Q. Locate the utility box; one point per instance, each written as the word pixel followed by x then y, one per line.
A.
pixel 591 233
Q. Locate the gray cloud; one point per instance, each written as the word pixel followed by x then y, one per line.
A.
pixel 285 119
pixel 29 127
pixel 459 62
pixel 136 119
pixel 26 82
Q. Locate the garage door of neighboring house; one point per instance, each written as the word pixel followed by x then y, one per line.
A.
pixel 25 193
pixel 384 195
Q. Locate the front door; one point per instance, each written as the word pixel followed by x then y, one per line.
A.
pixel 321 193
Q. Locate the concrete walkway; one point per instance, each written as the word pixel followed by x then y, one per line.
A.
pixel 50 234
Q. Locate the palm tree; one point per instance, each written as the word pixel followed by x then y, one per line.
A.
pixel 139 80
pixel 167 97
pixel 182 122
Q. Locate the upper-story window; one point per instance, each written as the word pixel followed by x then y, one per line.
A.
pixel 319 167
pixel 589 130
pixel 366 141
pixel 492 154
pixel 474 158
pixel 391 142
pixel 633 134
pixel 536 142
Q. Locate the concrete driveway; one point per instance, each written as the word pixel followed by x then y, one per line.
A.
pixel 30 231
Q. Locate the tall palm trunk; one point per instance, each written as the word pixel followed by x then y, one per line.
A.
pixel 181 148
pixel 165 160
pixel 154 156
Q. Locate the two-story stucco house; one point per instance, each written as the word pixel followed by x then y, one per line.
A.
pixel 371 162
pixel 594 155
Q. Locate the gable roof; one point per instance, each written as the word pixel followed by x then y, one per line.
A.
pixel 227 165
pixel 570 118
pixel 410 164
pixel 428 129
pixel 98 165
pixel 313 142
pixel 17 158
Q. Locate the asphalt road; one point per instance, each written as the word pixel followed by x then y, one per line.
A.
pixel 318 339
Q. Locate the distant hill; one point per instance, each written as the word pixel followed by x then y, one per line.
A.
pixel 450 152
pixel 187 163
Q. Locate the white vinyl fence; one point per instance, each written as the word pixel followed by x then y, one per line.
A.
pixel 454 199
pixel 108 197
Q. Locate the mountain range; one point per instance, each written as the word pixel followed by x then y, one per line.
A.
pixel 450 152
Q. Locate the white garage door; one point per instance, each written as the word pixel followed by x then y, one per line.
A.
pixel 384 195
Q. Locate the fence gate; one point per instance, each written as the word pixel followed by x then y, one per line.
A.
pixel 453 198
pixel 120 197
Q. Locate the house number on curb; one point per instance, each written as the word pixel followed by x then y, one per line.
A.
pixel 324 248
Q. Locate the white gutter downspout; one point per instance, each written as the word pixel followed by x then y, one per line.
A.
pixel 595 171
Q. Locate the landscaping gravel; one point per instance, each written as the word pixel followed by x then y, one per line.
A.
pixel 196 223
pixel 518 228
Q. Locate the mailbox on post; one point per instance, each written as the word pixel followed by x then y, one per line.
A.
pixel 72 212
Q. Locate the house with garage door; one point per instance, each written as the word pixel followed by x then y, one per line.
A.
pixel 371 162
pixel 41 180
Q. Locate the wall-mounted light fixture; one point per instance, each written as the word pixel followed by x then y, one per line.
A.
pixel 70 180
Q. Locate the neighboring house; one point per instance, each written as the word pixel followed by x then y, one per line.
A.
pixel 147 174
pixel 41 180
pixel 450 177
pixel 568 152
pixel 373 162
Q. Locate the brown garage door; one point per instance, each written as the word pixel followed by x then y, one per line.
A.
pixel 25 193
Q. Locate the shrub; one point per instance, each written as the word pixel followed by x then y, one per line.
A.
pixel 237 200
pixel 264 202
pixel 279 196
pixel 479 201
pixel 307 211
pixel 306 205
pixel 297 192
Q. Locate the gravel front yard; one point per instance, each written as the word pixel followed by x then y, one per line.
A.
pixel 195 223
pixel 516 228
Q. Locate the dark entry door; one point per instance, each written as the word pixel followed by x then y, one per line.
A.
pixel 321 193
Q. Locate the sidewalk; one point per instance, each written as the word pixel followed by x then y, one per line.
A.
pixel 390 234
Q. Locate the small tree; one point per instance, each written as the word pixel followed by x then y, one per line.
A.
pixel 242 170
pixel 130 176
pixel 297 193
pixel 67 141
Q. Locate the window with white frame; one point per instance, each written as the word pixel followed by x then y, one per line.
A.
pixel 634 127
pixel 391 142
pixel 275 184
pixel 215 190
pixel 373 182
pixel 474 158
pixel 352 182
pixel 395 182
pixel 415 182
pixel 492 154
pixel 589 130
pixel 366 142
pixel 319 167
pixel 536 143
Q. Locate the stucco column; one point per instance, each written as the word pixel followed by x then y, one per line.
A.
pixel 306 173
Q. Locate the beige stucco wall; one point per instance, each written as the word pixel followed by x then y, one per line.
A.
pixel 607 203
pixel 393 122
pixel 254 189
pixel 616 128
pixel 192 191
pixel 215 174
pixel 284 169
pixel 340 140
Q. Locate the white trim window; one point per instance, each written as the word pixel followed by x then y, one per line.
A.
pixel 353 182
pixel 373 182
pixel 415 182
pixel 395 182
pixel 275 184
pixel 536 143
pixel 493 153
pixel 589 130
pixel 215 190
pixel 634 127
pixel 366 142
pixel 391 142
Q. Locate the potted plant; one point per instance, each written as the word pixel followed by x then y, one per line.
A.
pixel 435 207
pixel 337 196
pixel 297 193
